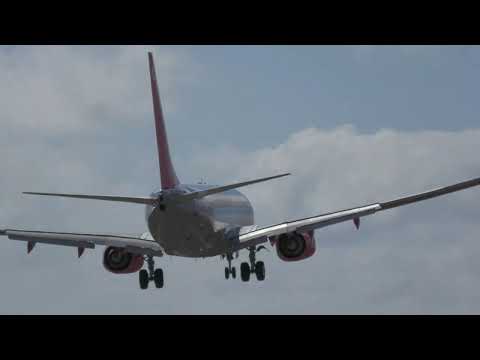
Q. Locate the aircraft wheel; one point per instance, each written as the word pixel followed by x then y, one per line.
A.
pixel 245 271
pixel 143 278
pixel 234 273
pixel 158 278
pixel 227 273
pixel 260 270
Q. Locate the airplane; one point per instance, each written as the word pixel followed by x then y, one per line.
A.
pixel 201 221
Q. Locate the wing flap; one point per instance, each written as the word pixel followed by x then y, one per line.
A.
pixel 89 241
pixel 49 239
pixel 302 225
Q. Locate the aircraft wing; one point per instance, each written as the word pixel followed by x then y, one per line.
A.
pixel 85 241
pixel 251 236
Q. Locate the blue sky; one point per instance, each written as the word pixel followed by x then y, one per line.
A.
pixel 354 124
pixel 295 87
pixel 274 91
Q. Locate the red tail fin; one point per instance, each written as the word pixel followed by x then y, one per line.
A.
pixel 167 172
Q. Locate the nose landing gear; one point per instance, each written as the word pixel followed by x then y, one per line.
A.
pixel 155 275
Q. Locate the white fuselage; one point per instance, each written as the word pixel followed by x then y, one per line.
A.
pixel 199 228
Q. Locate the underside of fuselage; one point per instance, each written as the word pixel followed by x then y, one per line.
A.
pixel 198 228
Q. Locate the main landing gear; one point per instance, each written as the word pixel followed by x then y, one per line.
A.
pixel 155 275
pixel 255 267
pixel 230 270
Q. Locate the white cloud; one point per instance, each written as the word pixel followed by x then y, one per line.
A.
pixel 421 259
pixel 57 89
pixel 66 113
pixel 342 167
pixel 409 260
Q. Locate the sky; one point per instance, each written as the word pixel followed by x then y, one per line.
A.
pixel 353 124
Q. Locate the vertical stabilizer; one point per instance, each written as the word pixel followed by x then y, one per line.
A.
pixel 167 172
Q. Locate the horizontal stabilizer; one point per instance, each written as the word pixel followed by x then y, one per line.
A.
pixel 154 201
pixel 132 200
pixel 219 189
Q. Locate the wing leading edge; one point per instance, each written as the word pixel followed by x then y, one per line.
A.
pixel 255 236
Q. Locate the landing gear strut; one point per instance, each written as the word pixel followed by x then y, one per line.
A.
pixel 255 267
pixel 230 270
pixel 155 275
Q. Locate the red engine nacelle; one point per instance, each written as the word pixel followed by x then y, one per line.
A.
pixel 295 246
pixel 119 261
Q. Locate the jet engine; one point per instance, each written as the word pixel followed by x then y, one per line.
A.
pixel 119 261
pixel 295 246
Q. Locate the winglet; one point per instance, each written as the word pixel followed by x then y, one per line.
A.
pixel 167 173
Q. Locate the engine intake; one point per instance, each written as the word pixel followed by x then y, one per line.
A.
pixel 295 246
pixel 119 261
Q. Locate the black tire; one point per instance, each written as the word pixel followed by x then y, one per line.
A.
pixel 227 273
pixel 158 278
pixel 143 278
pixel 245 272
pixel 234 273
pixel 260 270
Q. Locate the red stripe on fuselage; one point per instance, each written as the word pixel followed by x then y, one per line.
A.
pixel 167 172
